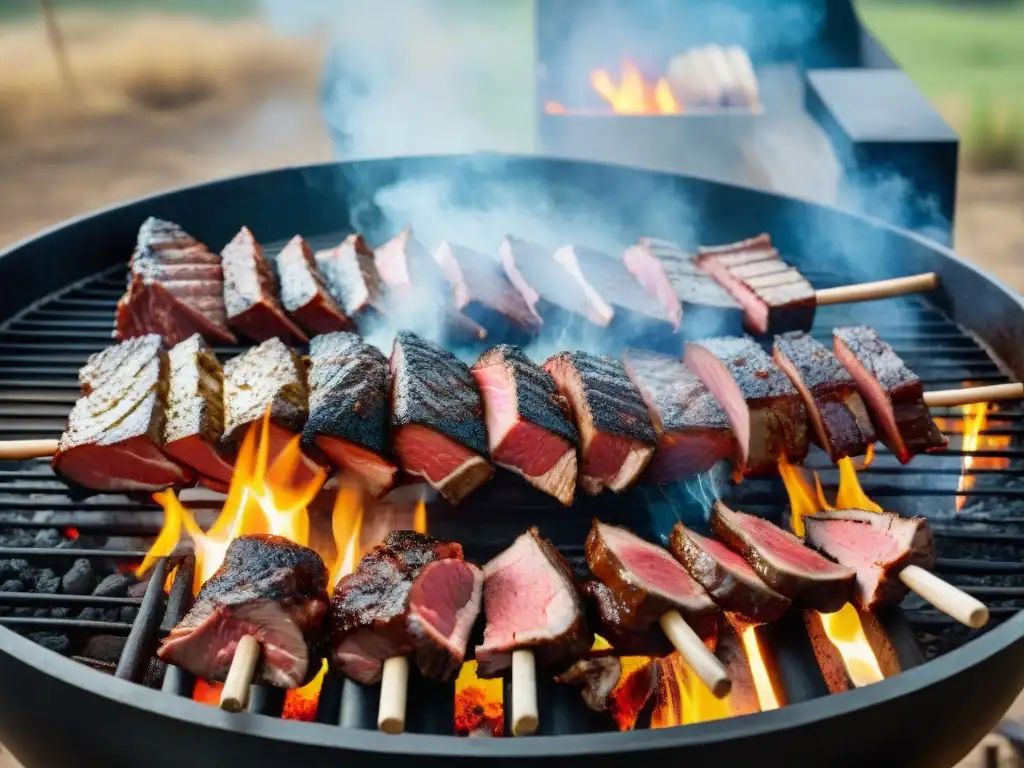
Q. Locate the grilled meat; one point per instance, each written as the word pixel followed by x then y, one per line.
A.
pixel 673 279
pixel 250 293
pixel 763 406
pixel 596 678
pixel 877 545
pixel 531 602
pixel 775 297
pixel 195 412
pixel 303 294
pixel 175 289
pixel 840 422
pixel 348 408
pixel 783 561
pixel 268 587
pixel 727 577
pixel 124 360
pixel 410 594
pixel 114 438
pixel 610 619
pixel 437 418
pixel 351 277
pixel 482 292
pixel 549 295
pixel 529 425
pixel 617 438
pixel 693 430
pixel 893 393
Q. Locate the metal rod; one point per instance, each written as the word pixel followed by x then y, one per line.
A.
pixel 142 639
pixel 63 625
pixel 42 598
pixel 31 552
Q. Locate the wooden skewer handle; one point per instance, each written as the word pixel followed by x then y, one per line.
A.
pixel 968 395
pixel 944 596
pixel 525 715
pixel 702 661
pixel 27 449
pixel 881 289
pixel 394 687
pixel 235 695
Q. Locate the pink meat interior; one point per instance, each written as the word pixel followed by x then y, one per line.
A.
pixel 446 598
pixel 649 272
pixel 429 454
pixel 716 377
pixel 653 566
pixel 729 560
pixel 785 548
pixel 754 308
pixel 871 390
pixel 859 545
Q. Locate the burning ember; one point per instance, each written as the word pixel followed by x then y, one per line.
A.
pixel 479 704
pixel 631 95
pixel 974 422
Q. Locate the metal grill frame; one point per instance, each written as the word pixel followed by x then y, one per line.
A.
pixel 916 710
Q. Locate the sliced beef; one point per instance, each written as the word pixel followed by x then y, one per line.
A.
pixel 546 289
pixel 764 408
pixel 125 360
pixel 840 422
pixel 195 412
pixel 483 293
pixel 114 438
pixel 727 577
pixel 351 277
pixel 250 293
pixel 596 679
pixel 672 277
pixel 893 393
pixel 529 424
pixel 617 438
pixel 783 561
pixel 303 293
pixel 437 418
pixel 693 431
pixel 646 580
pixel 268 587
pixel 530 601
pixel 775 297
pixel 610 618
pixel 348 408
pixel 877 545
pixel 175 288
pixel 410 594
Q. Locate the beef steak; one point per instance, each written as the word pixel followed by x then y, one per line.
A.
pixel 303 293
pixel 351 277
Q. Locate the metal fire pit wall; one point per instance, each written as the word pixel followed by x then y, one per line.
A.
pixel 58 291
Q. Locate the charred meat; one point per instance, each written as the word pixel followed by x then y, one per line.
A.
pixel 348 408
pixel 303 294
pixel 764 408
pixel 730 580
pixel 529 424
pixel 125 359
pixel 617 438
pixel 783 562
pixel 410 594
pixel 840 424
pixel 250 293
pixel 437 418
pixel 893 393
pixel 693 430
pixel 175 289
pixel 610 618
pixel 351 277
pixel 877 545
pixel 268 587
pixel 530 601
pixel 596 679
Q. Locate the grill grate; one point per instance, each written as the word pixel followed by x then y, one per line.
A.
pixel 43 348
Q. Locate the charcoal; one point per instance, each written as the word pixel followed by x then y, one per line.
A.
pixel 128 614
pixel 54 641
pixel 12 585
pixel 79 579
pixel 11 569
pixel 115 585
pixel 93 613
pixel 24 612
pixel 49 538
pixel 47 582
pixel 60 612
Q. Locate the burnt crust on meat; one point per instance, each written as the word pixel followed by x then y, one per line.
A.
pixel 351 277
pixel 680 398
pixel 878 357
pixel 270 374
pixel 608 616
pixel 758 378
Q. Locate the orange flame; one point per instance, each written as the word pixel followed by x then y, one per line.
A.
pixel 632 95
pixel 975 420
pixel 479 704
pixel 682 698
pixel 766 695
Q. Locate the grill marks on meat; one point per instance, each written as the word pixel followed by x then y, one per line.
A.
pixel 693 430
pixel 410 594
pixel 303 293
pixel 530 601
pixel 268 587
pixel 250 293
pixel 674 280
pixel 350 276
pixel 728 578
pixel 482 292
pixel 775 297
pixel 877 545
pixel 529 427
pixel 114 438
pixel 839 420
pixel 783 562
pixel 195 411
pixel 124 360
pixel 764 408
pixel 617 438
pixel 893 393
pixel 175 288
pixel 348 408
pixel 437 418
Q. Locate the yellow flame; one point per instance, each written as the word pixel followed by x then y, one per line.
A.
pixel 632 95
pixel 846 632
pixel 766 696
pixel 694 702
pixel 850 494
